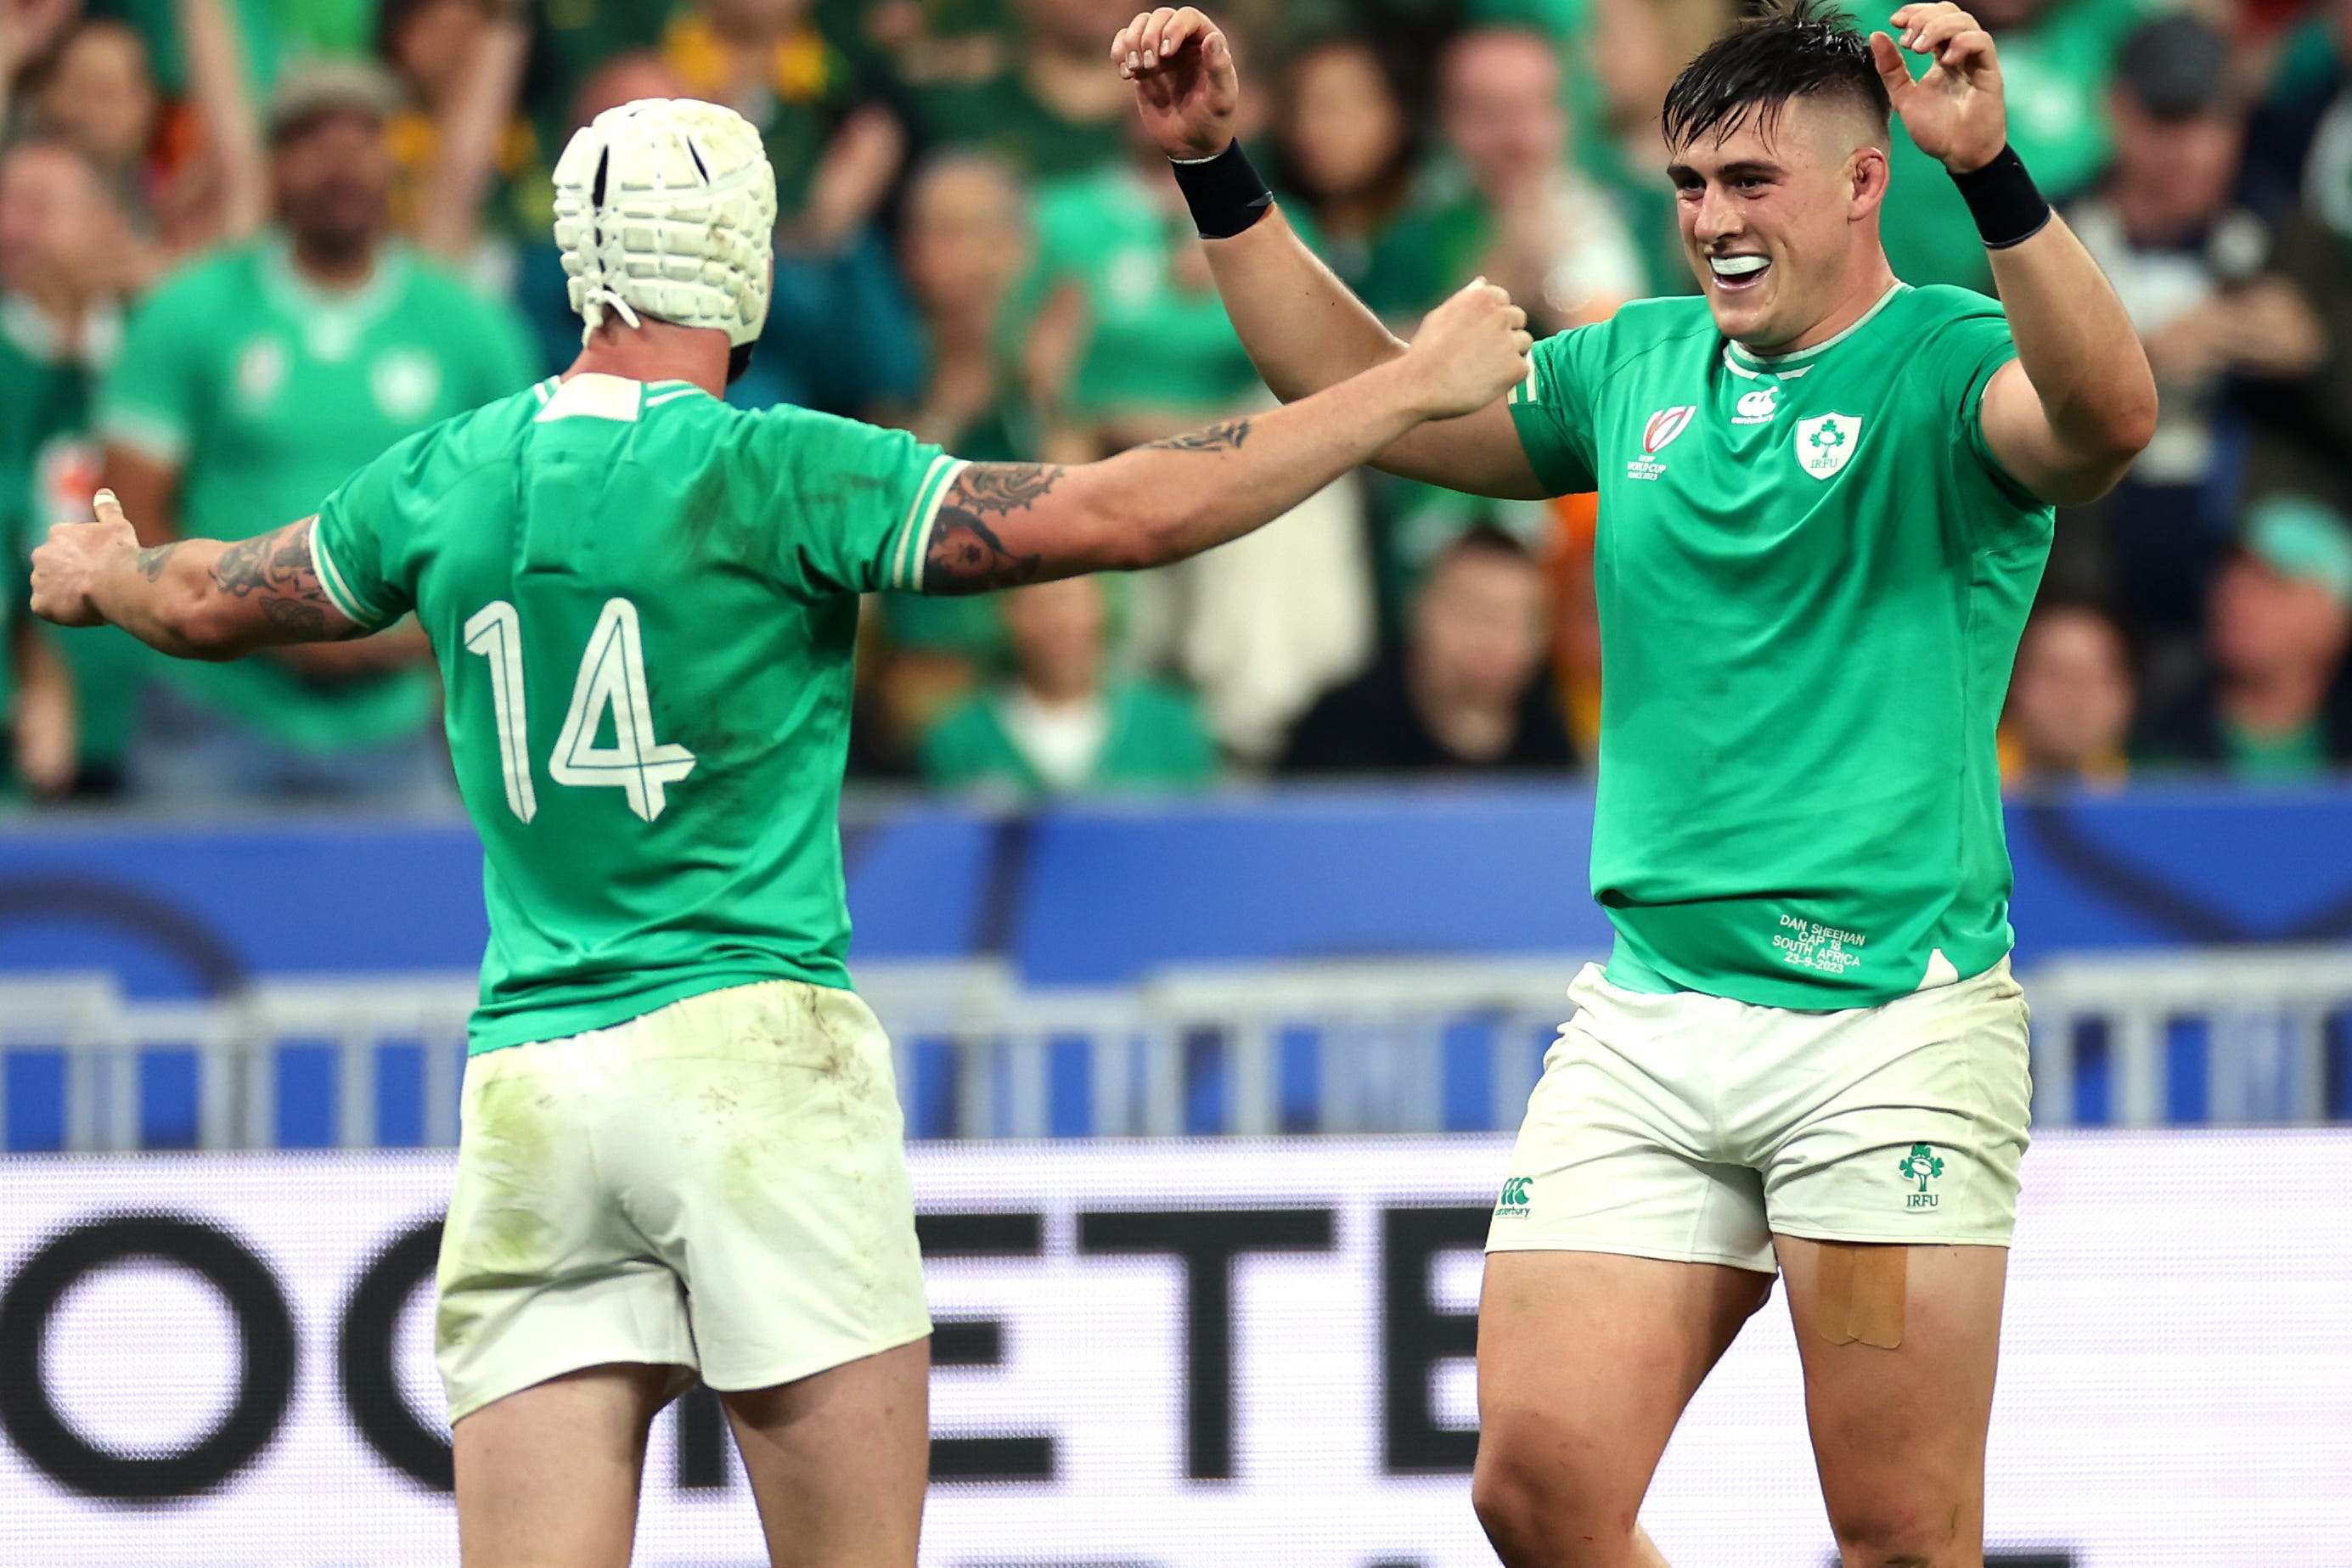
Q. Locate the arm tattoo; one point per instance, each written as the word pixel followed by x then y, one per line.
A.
pixel 275 570
pixel 151 560
pixel 984 487
pixel 1223 437
pixel 966 557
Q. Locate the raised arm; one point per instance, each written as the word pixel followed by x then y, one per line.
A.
pixel 2071 413
pixel 1003 524
pixel 196 599
pixel 1303 328
pixel 472 127
pixel 218 82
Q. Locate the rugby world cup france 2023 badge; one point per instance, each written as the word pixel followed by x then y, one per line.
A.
pixel 1656 436
pixel 1824 445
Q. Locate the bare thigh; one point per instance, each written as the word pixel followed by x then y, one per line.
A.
pixel 549 1476
pixel 1899 1434
pixel 838 1461
pixel 1585 1362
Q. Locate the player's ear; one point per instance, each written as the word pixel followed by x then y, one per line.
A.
pixel 1865 179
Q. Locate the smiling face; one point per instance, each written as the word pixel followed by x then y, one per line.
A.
pixel 1780 219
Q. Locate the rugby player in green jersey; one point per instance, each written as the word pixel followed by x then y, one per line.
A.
pixel 680 1147
pixel 1825 503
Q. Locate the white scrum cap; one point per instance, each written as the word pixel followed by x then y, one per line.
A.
pixel 667 206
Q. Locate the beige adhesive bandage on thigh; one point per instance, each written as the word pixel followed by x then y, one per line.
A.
pixel 1860 1291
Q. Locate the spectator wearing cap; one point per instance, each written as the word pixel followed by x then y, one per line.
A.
pixel 1468 694
pixel 2194 271
pixel 251 383
pixel 2277 706
pixel 2070 701
pixel 2300 167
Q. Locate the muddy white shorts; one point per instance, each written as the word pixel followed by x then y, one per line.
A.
pixel 1692 1128
pixel 718 1185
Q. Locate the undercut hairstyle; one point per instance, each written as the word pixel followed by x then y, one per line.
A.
pixel 1800 50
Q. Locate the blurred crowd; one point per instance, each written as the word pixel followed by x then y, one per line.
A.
pixel 247 244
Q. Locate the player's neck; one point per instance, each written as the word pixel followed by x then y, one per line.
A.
pixel 1861 296
pixel 656 351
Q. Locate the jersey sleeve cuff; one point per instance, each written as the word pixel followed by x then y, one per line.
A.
pixel 323 562
pixel 905 570
pixel 1536 436
pixel 150 434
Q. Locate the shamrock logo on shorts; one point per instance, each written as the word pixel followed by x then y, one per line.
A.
pixel 1922 1165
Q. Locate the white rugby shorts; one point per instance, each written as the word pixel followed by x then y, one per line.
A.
pixel 717 1186
pixel 1692 1128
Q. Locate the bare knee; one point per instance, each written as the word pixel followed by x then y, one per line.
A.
pixel 1542 1506
pixel 1894 1535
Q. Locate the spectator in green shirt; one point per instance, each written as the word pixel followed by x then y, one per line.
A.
pixel 1508 200
pixel 60 326
pixel 1062 725
pixel 249 387
pixel 1121 278
pixel 1345 147
pixel 964 246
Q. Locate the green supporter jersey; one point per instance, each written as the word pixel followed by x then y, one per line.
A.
pixel 643 602
pixel 49 471
pixel 265 392
pixel 1811 575
pixel 1152 739
pixel 1157 339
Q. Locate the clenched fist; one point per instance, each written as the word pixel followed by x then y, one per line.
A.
pixel 1469 351
pixel 65 570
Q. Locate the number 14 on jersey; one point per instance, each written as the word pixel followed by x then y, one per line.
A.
pixel 612 677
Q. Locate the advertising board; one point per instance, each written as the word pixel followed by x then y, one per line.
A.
pixel 1180 1353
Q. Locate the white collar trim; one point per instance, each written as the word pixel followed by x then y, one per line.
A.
pixel 1740 357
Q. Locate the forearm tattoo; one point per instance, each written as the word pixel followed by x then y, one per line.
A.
pixel 966 555
pixel 1223 437
pixel 151 560
pixel 275 570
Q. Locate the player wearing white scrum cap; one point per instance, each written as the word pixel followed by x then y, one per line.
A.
pixel 680 1148
pixel 667 206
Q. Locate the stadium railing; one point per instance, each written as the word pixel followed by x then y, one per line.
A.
pixel 2181 1037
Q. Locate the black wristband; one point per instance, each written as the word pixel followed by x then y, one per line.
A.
pixel 2002 198
pixel 1224 192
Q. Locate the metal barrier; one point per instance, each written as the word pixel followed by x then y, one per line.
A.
pixel 1356 1046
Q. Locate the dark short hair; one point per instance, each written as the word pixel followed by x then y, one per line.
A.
pixel 1804 49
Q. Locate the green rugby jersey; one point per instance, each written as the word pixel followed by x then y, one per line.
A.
pixel 645 607
pixel 1813 574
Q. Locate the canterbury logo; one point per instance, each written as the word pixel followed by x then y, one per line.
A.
pixel 1664 425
